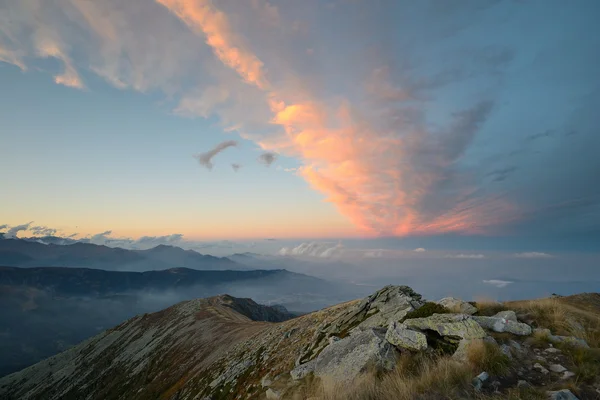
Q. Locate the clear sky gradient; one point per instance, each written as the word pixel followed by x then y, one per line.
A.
pixel 391 118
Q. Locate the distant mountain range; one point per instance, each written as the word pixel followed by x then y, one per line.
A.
pixel 27 253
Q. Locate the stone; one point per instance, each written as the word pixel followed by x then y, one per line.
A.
pixel 302 370
pixel 401 337
pixel 567 375
pixel 564 394
pixel 569 340
pixel 498 324
pixel 540 368
pixel 479 380
pixel 552 350
pixel 459 326
pixel 272 394
pixel 346 359
pixel 456 305
pixel 557 368
pixel 508 315
pixel 523 384
pixel 506 350
pixel 266 381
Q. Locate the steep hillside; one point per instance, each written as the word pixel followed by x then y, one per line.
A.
pixel 47 310
pixel 390 345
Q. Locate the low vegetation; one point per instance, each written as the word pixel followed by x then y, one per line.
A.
pixel 427 310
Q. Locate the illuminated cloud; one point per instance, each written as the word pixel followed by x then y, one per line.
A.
pixel 205 159
pixel 419 250
pixel 533 254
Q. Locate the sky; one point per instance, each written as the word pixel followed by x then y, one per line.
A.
pixel 440 121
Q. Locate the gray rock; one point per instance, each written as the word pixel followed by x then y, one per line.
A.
pixel 564 394
pixel 333 339
pixel 302 370
pixel 506 350
pixel 567 375
pixel 266 381
pixel 272 394
pixel 498 324
pixel 552 350
pixel 508 315
pixel 523 384
pixel 346 359
pixel 570 340
pixel 459 326
pixel 457 305
pixel 479 380
pixel 557 368
pixel 398 335
pixel 540 368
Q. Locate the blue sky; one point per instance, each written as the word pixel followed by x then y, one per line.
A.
pixel 434 119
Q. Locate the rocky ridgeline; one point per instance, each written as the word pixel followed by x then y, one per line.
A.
pixel 372 333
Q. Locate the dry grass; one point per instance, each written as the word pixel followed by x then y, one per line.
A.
pixel 487 357
pixel 562 318
pixel 417 376
pixel 488 307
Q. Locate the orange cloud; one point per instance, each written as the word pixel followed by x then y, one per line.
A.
pixel 203 16
pixel 379 170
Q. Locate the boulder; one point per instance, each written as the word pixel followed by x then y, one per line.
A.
pixel 346 359
pixel 479 380
pixel 459 326
pixel 499 324
pixel 540 368
pixel 564 394
pixel 569 340
pixel 508 315
pixel 402 337
pixel 557 368
pixel 457 305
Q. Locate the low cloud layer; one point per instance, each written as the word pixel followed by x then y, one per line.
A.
pixel 206 159
pixel 532 254
pixel 498 283
pixel 313 249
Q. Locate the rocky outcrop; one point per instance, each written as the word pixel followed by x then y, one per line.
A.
pixel 452 326
pixel 456 305
pixel 402 337
pixel 347 358
pixel 504 321
pixel 389 304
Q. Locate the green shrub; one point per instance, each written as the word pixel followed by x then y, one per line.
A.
pixel 426 310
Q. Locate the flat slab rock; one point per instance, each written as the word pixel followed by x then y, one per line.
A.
pixel 346 359
pixel 457 305
pixel 400 336
pixel 455 325
pixel 504 321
